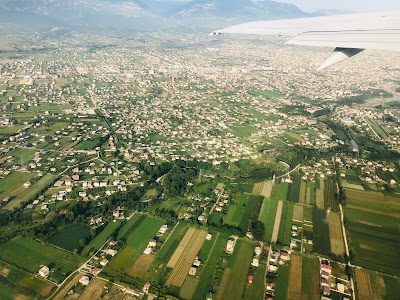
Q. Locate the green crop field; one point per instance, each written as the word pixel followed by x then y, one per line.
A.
pixel 4 130
pixel 189 287
pixel 321 239
pixel 265 94
pixel 69 237
pixel 267 217
pixel 310 278
pixel 206 272
pixel 235 212
pixel 21 281
pixel 13 182
pixel 30 193
pixel 164 254
pixel 88 145
pixel 23 155
pixel 255 290
pixel 29 255
pixel 244 131
pixel 136 243
pixel 294 189
pixel 283 191
pixel 101 237
pixel 238 266
pixel 282 282
pixel 286 223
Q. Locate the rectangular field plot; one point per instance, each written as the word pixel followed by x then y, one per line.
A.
pixel 234 278
pixel 267 217
pixel 23 282
pixel 137 233
pixel 29 255
pixel 101 237
pixel 12 184
pixel 375 240
pixel 286 223
pixel 255 290
pixel 181 261
pixel 30 193
pixel 68 237
pixel 374 231
pixel 371 286
pixel 207 271
pixel 235 212
pixel 336 234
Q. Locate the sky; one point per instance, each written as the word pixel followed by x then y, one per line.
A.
pixel 354 5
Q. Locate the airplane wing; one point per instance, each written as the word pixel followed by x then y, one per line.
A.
pixel 349 34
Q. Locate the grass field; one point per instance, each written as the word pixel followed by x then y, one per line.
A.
pixel 236 272
pixel 282 282
pixel 101 237
pixel 244 131
pixel 295 278
pixel 13 182
pixel 137 236
pixel 286 223
pixel 236 211
pixel 206 272
pixel 189 287
pixel 321 232
pixel 4 130
pixel 23 155
pixel 69 237
pixel 255 290
pixel 374 230
pixel 184 260
pixel 336 234
pixel 310 279
pixel 267 217
pixel 29 255
pixel 21 281
pixel 30 193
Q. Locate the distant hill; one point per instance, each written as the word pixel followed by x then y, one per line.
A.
pixel 147 13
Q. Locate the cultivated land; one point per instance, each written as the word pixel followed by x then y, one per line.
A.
pixel 29 255
pixel 268 217
pixel 94 290
pixel 373 230
pixel 335 233
pixel 277 222
pixel 137 236
pixel 295 278
pixel 234 278
pixel 185 260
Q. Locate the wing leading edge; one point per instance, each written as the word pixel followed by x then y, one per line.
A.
pixel 348 34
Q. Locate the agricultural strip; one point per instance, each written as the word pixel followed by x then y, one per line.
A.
pixel 31 192
pixel 61 294
pixel 206 273
pixel 267 217
pixel 364 288
pixel 101 237
pixel 298 213
pixel 303 192
pixel 310 279
pixel 136 242
pixel 286 223
pixel 237 268
pixel 141 265
pixel 277 222
pixel 255 291
pixel 186 259
pixel 182 246
pixel 94 290
pixel 295 278
pixel 335 234
pixel 13 182
pixel 29 255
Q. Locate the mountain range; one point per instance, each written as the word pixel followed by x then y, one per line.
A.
pixel 126 13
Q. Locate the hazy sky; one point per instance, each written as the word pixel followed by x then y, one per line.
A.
pixel 356 5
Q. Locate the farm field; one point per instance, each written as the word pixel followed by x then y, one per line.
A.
pixel 286 223
pixel 267 217
pixel 13 183
pixel 373 230
pixel 321 238
pixel 101 237
pixel 30 193
pixel 67 287
pixel 29 255
pixel 20 281
pixel 137 235
pixel 234 278
pixel 282 282
pixel 295 278
pixel 184 256
pixel 4 130
pixel 69 237
pixel 310 278
pixel 94 290
pixel 255 290
pixel 163 255
pixel 23 155
pixel 371 286
pixel 336 234
pixel 206 272
pixel 235 212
